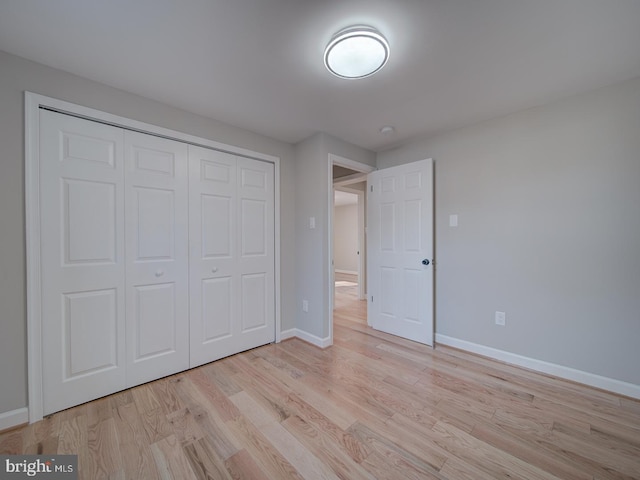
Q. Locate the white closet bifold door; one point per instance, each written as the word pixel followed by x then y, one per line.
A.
pixel 82 260
pixel 155 256
pixel 156 217
pixel 232 254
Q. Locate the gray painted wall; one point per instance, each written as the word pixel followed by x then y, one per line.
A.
pixel 310 174
pixel 18 75
pixel 549 231
pixel 312 245
pixel 345 238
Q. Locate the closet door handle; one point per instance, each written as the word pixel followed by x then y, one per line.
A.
pixel 159 273
pixel 214 269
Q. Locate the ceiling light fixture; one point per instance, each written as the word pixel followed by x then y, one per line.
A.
pixel 356 52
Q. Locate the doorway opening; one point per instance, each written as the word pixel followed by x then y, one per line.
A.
pixel 349 278
pixel 347 240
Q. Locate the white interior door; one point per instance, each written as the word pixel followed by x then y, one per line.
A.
pixel 232 254
pixel 82 260
pixel 157 264
pixel 400 250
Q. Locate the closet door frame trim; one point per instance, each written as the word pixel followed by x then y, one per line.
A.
pixel 33 103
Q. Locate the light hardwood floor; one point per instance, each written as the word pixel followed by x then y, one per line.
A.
pixel 371 406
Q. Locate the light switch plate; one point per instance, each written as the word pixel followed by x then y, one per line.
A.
pixel 453 220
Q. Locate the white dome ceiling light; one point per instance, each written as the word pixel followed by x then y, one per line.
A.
pixel 356 52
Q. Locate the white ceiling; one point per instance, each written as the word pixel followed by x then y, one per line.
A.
pixel 257 64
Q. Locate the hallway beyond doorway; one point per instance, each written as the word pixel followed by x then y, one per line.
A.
pixel 347 306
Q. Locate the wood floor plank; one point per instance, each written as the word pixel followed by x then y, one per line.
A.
pixel 490 459
pixel 408 465
pixel 165 391
pixel 155 424
pixel 613 456
pixel 253 411
pixel 320 396
pixel 335 455
pixel 98 411
pixel 46 446
pixel 171 460
pixel 185 426
pixel 264 389
pixel 415 438
pixel 530 451
pixel 317 420
pixel 392 467
pixel 269 424
pixel 220 374
pixel 210 420
pixel 137 460
pixel 104 452
pixel 124 397
pixel 145 398
pixel 304 461
pixel 262 450
pixel 630 405
pixel 11 442
pixel 213 394
pixel 73 440
pixel 205 462
pixel 371 406
pixel 242 466
pixel 562 409
pixel 458 469
pixel 41 437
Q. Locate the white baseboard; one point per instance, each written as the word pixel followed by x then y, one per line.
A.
pixel 348 272
pixel 579 376
pixel 307 337
pixel 14 418
pixel 285 334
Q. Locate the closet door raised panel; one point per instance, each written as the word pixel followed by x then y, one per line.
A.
pixel 231 257
pixel 157 257
pixel 213 255
pixel 82 260
pixel 256 252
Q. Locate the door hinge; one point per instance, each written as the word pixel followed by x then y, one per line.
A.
pixel 371 188
pixel 371 298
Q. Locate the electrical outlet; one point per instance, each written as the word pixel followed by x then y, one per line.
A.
pixel 501 318
pixel 305 305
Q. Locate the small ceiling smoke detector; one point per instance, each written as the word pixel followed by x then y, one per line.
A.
pixel 387 130
pixel 356 52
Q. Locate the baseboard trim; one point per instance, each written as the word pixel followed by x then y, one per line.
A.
pixel 306 336
pixel 567 373
pixel 286 334
pixel 14 418
pixel 348 272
